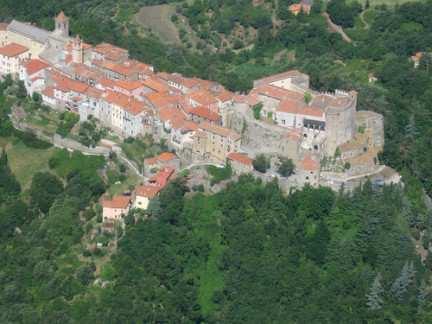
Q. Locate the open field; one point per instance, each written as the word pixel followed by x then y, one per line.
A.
pixel 25 161
pixel 158 20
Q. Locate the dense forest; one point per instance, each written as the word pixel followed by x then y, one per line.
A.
pixel 249 253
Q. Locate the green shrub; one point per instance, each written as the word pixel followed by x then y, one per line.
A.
pixel 261 163
pixel 219 174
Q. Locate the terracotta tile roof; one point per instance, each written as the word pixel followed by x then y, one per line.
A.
pixel 155 84
pixel 48 92
pixel 162 177
pixel 35 65
pixel 166 156
pixel 203 97
pixel 290 106
pixel 240 157
pixel 312 111
pixel 86 71
pixel 117 202
pixel 110 52
pixel 12 50
pixel 147 191
pixel 277 93
pixel 175 116
pixel 162 100
pixel 128 85
pixel 94 93
pixel 188 125
pixel 219 130
pixel 225 95
pixel 204 113
pixel 129 104
pixel 106 83
pixel 111 66
pixel 309 164
pixel 66 84
pixel 163 157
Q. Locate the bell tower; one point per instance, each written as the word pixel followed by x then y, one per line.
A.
pixel 77 50
pixel 62 24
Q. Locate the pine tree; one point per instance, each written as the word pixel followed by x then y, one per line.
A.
pixel 374 297
pixel 422 295
pixel 401 284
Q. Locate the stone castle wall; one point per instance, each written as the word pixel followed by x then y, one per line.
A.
pixel 340 125
pixel 259 136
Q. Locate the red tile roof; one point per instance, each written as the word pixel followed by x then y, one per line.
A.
pixel 166 156
pixel 94 93
pixel 48 91
pixel 147 191
pixel 163 157
pixel 117 202
pixel 129 104
pixel 162 177
pixel 277 93
pixel 203 97
pixel 12 50
pixel 309 164
pixel 35 65
pixel 128 85
pixel 240 157
pixel 219 130
pixel 225 95
pixel 205 113
pixel 110 52
pixel 66 84
pixel 290 106
pixel 155 84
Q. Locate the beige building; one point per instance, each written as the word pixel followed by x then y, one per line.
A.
pixel 32 37
pixel 240 162
pixel 116 208
pixel 215 142
pixel 143 195
pixel 12 56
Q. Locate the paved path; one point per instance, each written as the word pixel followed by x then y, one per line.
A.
pixel 336 28
pixel 198 164
pixel 72 145
pixel 363 20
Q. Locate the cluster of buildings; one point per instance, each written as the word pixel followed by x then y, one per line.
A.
pixel 115 208
pixel 199 119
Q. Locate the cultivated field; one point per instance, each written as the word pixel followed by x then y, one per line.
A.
pixel 158 20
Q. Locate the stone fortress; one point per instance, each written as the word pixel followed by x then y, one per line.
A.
pixel 329 141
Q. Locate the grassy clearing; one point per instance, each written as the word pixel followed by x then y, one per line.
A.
pixel 25 161
pixel 139 149
pixel 46 121
pixel 131 181
pixel 158 20
pixel 206 225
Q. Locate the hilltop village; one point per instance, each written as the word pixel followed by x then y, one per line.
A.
pixel 329 141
